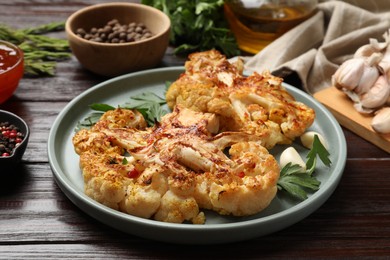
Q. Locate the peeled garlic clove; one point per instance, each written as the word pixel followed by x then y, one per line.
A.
pixel 348 74
pixel 307 139
pixel 290 155
pixel 377 94
pixel 381 121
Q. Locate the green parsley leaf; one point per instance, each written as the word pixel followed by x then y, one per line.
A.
pixel 101 107
pixel 147 103
pixel 89 121
pixel 197 25
pixel 294 189
pixel 320 150
pixel 296 181
pixel 149 97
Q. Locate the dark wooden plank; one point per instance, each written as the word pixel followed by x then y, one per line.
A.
pixel 38 221
pixel 38 213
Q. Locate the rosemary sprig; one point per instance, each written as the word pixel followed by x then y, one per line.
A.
pixel 41 52
pixel 45 28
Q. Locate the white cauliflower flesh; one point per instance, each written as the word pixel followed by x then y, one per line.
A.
pixel 172 171
pixel 257 104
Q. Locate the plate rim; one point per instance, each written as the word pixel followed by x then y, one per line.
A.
pixel 82 200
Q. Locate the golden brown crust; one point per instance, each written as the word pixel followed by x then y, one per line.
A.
pixel 257 104
pixel 171 171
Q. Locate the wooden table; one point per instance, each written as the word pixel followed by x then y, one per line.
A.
pixel 38 220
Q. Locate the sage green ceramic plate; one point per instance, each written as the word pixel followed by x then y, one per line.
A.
pixel 283 211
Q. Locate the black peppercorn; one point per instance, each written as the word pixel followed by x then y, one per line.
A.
pixel 114 32
pixel 10 138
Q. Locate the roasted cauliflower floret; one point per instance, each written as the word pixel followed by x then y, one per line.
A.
pixel 121 118
pixel 172 171
pixel 257 104
pixel 105 177
pixel 248 186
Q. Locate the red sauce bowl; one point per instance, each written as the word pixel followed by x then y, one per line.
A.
pixel 11 69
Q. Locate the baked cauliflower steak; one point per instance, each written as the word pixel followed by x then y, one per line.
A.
pixel 173 171
pixel 257 104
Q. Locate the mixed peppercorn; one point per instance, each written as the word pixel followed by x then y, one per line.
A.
pixel 114 32
pixel 10 138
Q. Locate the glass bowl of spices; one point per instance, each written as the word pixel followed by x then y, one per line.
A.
pixel 112 39
pixel 11 69
pixel 14 135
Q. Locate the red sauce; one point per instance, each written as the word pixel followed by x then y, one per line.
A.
pixel 8 57
pixel 11 69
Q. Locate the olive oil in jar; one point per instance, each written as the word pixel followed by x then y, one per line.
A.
pixel 256 23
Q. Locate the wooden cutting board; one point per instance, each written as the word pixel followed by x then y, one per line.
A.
pixel 342 109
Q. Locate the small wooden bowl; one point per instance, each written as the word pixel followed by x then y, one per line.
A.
pixel 113 59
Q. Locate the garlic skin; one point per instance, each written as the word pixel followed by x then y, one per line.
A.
pixel 290 155
pixel 363 110
pixel 381 121
pixel 380 46
pixel 365 51
pixel 307 139
pixel 377 95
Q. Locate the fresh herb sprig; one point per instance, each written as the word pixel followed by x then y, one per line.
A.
pixel 197 25
pixel 293 179
pixel 148 104
pixel 41 52
pixel 297 182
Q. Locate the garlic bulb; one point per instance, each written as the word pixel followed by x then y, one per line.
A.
pixel 290 155
pixel 366 77
pixel 366 80
pixel 381 121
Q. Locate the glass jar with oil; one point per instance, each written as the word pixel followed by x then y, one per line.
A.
pixel 256 23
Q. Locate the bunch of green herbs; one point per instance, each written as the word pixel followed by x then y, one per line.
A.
pixel 148 104
pixel 197 25
pixel 293 179
pixel 41 52
pixel 296 181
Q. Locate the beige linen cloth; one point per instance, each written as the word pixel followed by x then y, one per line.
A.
pixel 315 48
